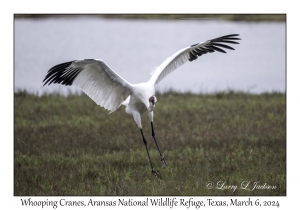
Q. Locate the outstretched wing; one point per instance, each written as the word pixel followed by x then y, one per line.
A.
pixel 94 78
pixel 191 53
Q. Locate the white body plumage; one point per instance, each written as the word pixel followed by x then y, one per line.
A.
pixel 110 91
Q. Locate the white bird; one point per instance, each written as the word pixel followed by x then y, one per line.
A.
pixel 110 91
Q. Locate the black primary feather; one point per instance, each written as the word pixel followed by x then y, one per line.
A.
pixel 62 74
pixel 213 45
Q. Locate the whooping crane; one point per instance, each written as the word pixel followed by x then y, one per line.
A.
pixel 110 91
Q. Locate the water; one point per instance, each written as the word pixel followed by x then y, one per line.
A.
pixel 132 48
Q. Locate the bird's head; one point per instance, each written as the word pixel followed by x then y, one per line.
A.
pixel 152 102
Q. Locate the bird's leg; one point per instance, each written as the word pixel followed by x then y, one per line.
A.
pixel 153 171
pixel 162 158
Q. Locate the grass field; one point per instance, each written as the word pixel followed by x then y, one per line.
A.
pixel 71 146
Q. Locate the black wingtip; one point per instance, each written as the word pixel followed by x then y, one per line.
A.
pixel 213 45
pixel 229 35
pixel 61 74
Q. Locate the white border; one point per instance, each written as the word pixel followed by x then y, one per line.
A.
pixel 8 8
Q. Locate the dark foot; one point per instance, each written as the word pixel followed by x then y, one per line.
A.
pixel 154 172
pixel 163 162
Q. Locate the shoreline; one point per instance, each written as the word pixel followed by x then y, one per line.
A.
pixel 226 17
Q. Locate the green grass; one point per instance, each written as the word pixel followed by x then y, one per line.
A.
pixel 71 146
